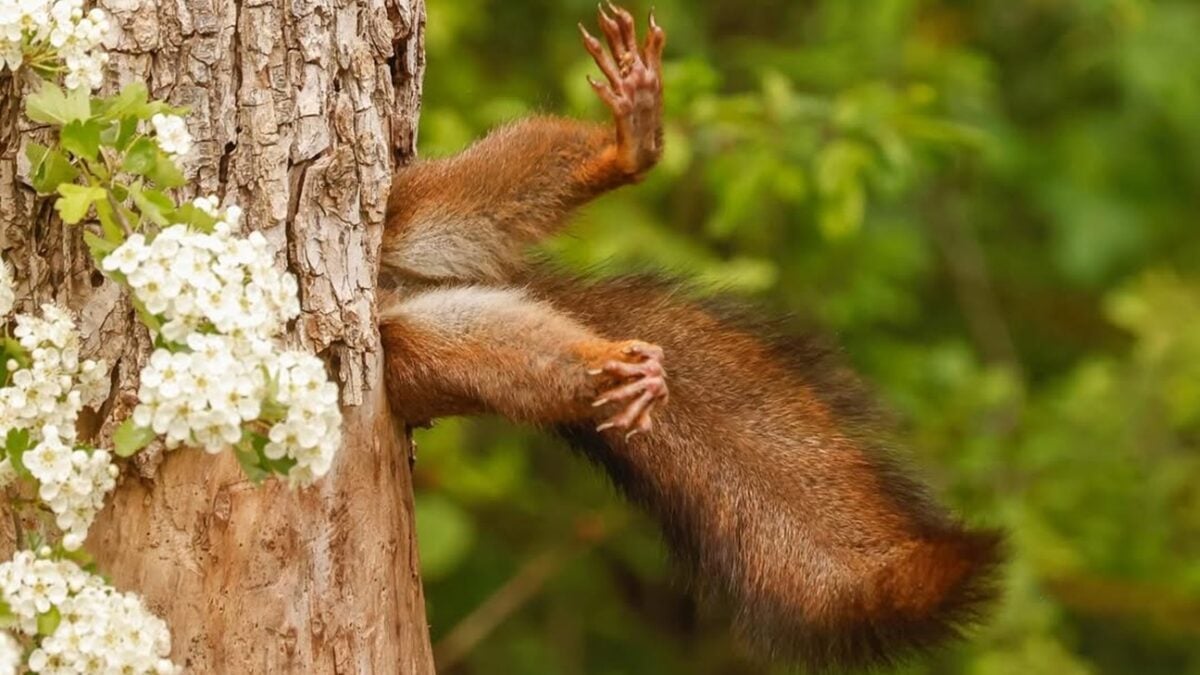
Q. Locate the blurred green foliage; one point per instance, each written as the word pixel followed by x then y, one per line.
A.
pixel 992 204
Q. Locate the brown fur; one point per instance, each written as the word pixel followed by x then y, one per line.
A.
pixel 771 492
pixel 498 196
pixel 766 475
pixel 776 500
pixel 457 350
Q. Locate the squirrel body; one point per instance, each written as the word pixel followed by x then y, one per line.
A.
pixel 773 495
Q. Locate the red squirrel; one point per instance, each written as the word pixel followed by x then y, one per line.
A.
pixel 773 496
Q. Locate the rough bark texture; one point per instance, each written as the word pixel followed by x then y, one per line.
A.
pixel 300 110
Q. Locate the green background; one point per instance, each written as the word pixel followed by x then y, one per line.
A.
pixel 993 207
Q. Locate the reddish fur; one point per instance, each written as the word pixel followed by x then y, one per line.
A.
pixel 515 178
pixel 775 500
pixel 772 498
pixel 510 356
pixel 773 492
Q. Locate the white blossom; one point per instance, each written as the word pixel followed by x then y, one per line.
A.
pixel 127 258
pixel 72 482
pixel 50 460
pixel 172 134
pixel 62 29
pixel 310 431
pixel 196 281
pixel 101 630
pixel 206 397
pixel 56 384
pixel 45 398
pixel 11 654
pixel 220 303
pixel 203 396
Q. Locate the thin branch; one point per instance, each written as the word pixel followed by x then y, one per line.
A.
pixel 972 285
pixel 529 580
pixel 1127 599
pixel 973 288
pixel 112 202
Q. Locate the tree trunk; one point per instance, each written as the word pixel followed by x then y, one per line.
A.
pixel 300 110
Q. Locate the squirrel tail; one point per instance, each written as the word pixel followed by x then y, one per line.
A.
pixel 774 494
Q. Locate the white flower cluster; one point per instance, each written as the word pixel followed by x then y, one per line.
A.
pixel 203 396
pixel 72 482
pixel 11 654
pixel 310 432
pixel 100 630
pixel 196 281
pixel 45 398
pixel 32 27
pixel 56 384
pixel 221 302
pixel 7 295
pixel 172 134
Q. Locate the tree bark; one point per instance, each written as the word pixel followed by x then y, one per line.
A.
pixel 300 110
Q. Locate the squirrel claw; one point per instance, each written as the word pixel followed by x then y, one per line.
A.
pixel 647 351
pixel 642 386
pixel 633 91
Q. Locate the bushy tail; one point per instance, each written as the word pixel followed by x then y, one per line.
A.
pixel 772 493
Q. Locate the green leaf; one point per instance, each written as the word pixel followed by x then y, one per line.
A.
pixel 147 318
pixel 842 214
pixel 15 351
pixel 51 105
pixel 110 134
pixel 47 622
pixel 131 101
pixel 124 111
pixel 118 134
pixel 153 204
pixel 15 446
pixel 79 556
pixel 195 218
pixel 249 459
pixel 272 410
pixel 165 173
pixel 109 223
pixel 49 168
pixel 100 173
pixel 279 466
pixel 81 138
pixel 141 157
pixel 75 201
pixel 7 618
pixel 36 154
pixel 99 247
pixel 16 441
pixel 129 438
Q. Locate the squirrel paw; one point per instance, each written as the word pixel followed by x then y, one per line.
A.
pixel 642 386
pixel 634 89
